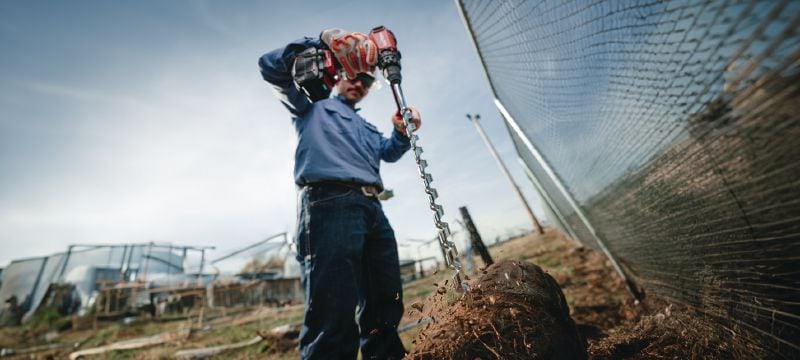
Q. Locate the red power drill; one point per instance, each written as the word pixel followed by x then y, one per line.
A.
pixel 388 56
pixel 316 71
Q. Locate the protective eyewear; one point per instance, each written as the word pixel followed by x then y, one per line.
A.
pixel 366 80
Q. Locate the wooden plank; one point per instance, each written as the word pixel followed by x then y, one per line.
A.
pixel 211 351
pixel 133 343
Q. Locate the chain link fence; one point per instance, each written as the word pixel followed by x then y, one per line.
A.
pixel 666 133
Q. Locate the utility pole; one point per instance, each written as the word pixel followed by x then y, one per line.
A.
pixel 474 119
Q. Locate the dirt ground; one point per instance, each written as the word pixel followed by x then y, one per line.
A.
pixel 609 320
pixel 512 311
pixel 604 313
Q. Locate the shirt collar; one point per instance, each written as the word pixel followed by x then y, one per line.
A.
pixel 341 98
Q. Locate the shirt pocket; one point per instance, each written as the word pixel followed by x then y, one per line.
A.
pixel 338 120
pixel 371 137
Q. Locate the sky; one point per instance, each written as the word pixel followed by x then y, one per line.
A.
pixel 131 122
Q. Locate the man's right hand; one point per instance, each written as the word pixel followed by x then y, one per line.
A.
pixel 354 51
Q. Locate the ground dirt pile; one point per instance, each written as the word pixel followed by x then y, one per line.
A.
pixel 513 311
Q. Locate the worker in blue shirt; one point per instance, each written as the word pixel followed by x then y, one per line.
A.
pixel 345 245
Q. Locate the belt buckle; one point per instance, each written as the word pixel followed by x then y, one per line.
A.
pixel 369 191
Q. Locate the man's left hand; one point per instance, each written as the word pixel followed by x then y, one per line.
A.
pixel 416 120
pixel 354 51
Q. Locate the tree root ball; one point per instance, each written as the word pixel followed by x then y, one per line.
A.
pixel 513 311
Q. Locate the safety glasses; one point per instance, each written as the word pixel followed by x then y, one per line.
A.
pixel 366 80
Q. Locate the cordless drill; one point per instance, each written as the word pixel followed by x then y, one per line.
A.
pixel 388 56
pixel 316 71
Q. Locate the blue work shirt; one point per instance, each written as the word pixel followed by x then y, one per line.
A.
pixel 334 142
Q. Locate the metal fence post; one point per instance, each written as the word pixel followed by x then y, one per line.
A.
pixel 560 219
pixel 568 196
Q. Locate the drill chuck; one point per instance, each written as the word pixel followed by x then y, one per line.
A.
pixel 389 61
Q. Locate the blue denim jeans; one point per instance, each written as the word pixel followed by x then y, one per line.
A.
pixel 351 275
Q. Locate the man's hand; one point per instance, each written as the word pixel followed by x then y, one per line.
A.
pixel 354 51
pixel 416 120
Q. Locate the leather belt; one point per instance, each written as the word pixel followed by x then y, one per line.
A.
pixel 366 190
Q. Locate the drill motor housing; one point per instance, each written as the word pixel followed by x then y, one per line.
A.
pixel 388 55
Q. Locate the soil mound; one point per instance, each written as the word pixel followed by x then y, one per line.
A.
pixel 513 311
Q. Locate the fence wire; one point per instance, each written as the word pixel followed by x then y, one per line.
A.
pixel 674 127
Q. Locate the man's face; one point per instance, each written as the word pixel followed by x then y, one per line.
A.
pixel 354 90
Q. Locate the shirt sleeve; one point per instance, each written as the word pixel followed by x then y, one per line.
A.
pixel 393 148
pixel 276 69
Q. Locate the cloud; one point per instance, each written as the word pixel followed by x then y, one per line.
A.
pixel 82 94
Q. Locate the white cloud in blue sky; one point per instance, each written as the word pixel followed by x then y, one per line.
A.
pixel 148 121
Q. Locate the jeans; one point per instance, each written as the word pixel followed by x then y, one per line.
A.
pixel 351 275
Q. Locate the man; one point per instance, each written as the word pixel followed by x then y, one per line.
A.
pixel 345 245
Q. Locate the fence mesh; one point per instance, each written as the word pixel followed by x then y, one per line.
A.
pixel 672 126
